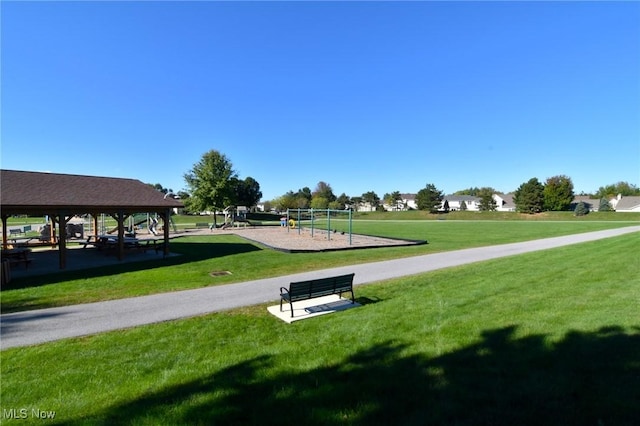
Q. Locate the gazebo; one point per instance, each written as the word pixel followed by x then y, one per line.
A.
pixel 63 196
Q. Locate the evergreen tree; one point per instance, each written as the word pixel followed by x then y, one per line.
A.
pixel 581 209
pixel 529 197
pixel 463 206
pixel 487 203
pixel 605 206
pixel 429 198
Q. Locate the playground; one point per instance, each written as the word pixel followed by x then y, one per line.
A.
pixel 300 240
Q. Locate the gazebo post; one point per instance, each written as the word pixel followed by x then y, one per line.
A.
pixel 166 219
pixel 4 231
pixel 52 229
pixel 62 239
pixel 120 219
pixel 95 226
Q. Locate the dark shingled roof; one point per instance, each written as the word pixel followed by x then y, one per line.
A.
pixel 33 192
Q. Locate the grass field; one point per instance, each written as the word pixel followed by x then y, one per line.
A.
pixel 248 261
pixel 549 338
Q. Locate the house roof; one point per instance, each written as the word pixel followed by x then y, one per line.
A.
pixel 505 201
pixel 460 198
pixel 36 192
pixel 628 203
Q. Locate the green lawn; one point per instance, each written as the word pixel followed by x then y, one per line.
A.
pixel 549 338
pixel 248 261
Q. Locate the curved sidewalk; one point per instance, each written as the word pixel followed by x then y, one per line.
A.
pixel 45 325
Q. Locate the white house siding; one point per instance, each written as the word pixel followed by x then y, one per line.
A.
pixel 455 201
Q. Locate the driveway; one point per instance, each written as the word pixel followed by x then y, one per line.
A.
pixel 45 325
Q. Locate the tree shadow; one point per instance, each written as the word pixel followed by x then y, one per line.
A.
pixel 587 378
pixel 104 265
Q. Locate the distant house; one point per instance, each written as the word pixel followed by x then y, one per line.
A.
pixel 409 201
pixel 593 205
pixel 365 207
pixel 619 203
pixel 504 202
pixel 455 202
pixel 627 204
pixel 406 202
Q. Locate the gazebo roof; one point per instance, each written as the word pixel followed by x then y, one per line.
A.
pixel 23 192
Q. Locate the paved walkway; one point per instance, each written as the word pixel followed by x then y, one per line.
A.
pixel 45 325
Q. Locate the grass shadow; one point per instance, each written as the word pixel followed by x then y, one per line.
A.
pixel 367 300
pixel 587 378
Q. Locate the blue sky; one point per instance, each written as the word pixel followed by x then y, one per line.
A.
pixel 366 96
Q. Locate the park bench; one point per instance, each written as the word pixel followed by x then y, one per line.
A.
pixel 200 225
pixel 304 290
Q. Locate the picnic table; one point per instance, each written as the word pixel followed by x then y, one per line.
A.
pixel 110 242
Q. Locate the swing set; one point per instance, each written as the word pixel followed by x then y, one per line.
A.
pixel 319 221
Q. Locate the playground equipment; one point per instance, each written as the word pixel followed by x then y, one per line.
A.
pixel 136 220
pixel 235 215
pixel 314 219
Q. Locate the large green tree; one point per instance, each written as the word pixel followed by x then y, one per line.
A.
pixel 623 188
pixel 529 197
pixel 429 198
pixel 319 202
pixel 286 201
pixel 245 192
pixel 210 183
pixel 558 193
pixel 304 197
pixel 324 190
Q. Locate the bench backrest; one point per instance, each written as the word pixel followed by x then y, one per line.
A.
pixel 323 286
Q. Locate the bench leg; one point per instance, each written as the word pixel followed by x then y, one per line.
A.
pixel 290 306
pixel 353 299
